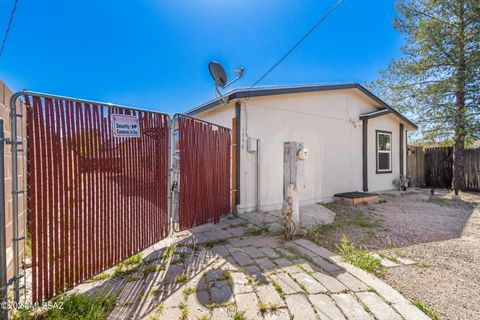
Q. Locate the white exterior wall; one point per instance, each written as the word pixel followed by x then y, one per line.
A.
pixel 321 120
pixel 383 181
pixel 221 115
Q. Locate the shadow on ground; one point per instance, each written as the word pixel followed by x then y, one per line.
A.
pixel 399 220
pixel 237 267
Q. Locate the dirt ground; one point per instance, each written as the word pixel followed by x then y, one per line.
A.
pixel 441 235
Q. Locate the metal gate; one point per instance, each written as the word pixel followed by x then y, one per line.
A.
pixel 204 164
pixel 96 197
pixel 98 188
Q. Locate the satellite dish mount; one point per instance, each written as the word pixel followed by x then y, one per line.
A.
pixel 220 77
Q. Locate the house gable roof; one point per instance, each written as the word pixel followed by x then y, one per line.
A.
pixel 269 91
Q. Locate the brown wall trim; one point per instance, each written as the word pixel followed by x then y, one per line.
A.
pixel 365 154
pixel 238 116
pixel 376 151
pixel 401 148
pixel 234 165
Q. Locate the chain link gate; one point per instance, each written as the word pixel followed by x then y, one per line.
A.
pixel 204 151
pixel 95 197
pixel 98 194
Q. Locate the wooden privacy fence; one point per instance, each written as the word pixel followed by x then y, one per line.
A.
pixel 438 167
pixel 416 165
pixel 472 169
pixel 433 167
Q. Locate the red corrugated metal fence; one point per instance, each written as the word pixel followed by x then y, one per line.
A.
pixel 94 199
pixel 204 150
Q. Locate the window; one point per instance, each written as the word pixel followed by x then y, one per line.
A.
pixel 384 152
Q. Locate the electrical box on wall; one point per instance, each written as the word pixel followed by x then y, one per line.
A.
pixel 302 154
pixel 252 145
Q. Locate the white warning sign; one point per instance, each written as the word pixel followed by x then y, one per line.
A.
pixel 125 126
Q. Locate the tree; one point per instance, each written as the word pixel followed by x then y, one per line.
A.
pixel 437 79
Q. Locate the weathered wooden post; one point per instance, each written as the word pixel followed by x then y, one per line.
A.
pixel 293 174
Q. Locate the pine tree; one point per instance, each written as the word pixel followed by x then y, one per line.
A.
pixel 437 79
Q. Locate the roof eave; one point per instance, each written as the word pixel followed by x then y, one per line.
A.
pixel 239 94
pixel 249 93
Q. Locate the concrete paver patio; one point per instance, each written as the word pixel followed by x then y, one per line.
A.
pixel 235 267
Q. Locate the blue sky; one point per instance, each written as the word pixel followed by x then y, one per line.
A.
pixel 154 53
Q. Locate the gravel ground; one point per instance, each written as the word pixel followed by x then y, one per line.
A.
pixel 442 235
pixel 446 236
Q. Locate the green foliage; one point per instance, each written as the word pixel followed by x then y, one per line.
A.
pixel 345 217
pixel 436 81
pixel 153 268
pixel 429 312
pixel 360 258
pixel 452 203
pixel 264 308
pixel 183 256
pixel 187 292
pixel 181 278
pixel 169 251
pixel 126 268
pixel 101 276
pixel 122 272
pixel 75 306
pixel 154 292
pixel 239 315
pixel 23 314
pixel 135 259
pixel 28 246
pixel 388 256
pixel 256 231
pixel 439 201
pixel 422 264
pixel 212 243
pixel 350 215
pixel 279 289
pixel 184 309
pixel 158 312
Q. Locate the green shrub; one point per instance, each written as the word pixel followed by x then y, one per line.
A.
pixel 76 306
pixel 135 259
pixel 429 312
pixel 360 258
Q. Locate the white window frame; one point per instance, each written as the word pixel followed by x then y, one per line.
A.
pixel 378 151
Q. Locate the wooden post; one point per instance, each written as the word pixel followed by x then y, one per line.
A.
pixel 365 154
pixel 234 166
pixel 292 179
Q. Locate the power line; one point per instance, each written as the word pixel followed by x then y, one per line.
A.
pixel 297 44
pixel 8 27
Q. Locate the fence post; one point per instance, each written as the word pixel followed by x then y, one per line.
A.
pixel 14 151
pixel 172 175
pixel 3 243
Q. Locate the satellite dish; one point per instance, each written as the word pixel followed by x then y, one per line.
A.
pixel 220 77
pixel 218 74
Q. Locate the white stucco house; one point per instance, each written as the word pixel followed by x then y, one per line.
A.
pixel 356 141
